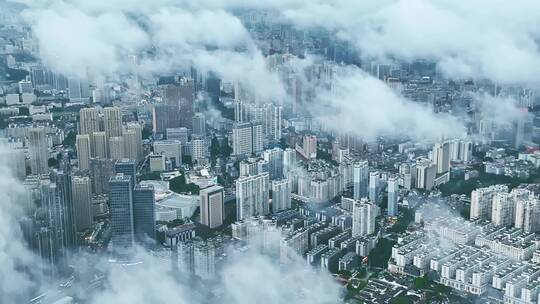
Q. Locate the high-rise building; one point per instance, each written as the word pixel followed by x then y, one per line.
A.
pixel 374 186
pixel 289 160
pixel 199 149
pixel 160 118
pixel 527 215
pixel 310 146
pixel 482 201
pixel 126 167
pixel 101 169
pixel 82 143
pixel 392 187
pixel 281 195
pixel 81 190
pixel 242 139
pixel 212 206
pixel 364 214
pixel 199 124
pixel 131 144
pixel 135 131
pixel 143 213
pixel 441 156
pixel 274 157
pixel 99 142
pixel 113 122
pixel 116 147
pixel 180 134
pixel 425 174
pixel 252 196
pixel 38 149
pixel 121 210
pixel 502 209
pixel 172 149
pixel 360 179
pixel 89 121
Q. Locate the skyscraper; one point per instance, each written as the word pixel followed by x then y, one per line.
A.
pixel 482 201
pixel 82 143
pixel 121 210
pixel 113 122
pixel 360 179
pixel 441 156
pixel 502 209
pixel 81 190
pixel 199 149
pixel 135 130
pixel 242 139
pixel 132 144
pixel 126 167
pixel 281 195
pixel 143 212
pixel 38 149
pixel 392 196
pixel 374 186
pixel 252 196
pixel 160 118
pixel 212 206
pixel 425 174
pixel 289 160
pixel 16 161
pixel 364 214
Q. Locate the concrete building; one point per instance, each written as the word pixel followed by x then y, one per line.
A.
pixel 252 196
pixel 281 195
pixel 364 214
pixel 172 149
pixel 360 179
pixel 482 201
pixel 116 147
pixel 113 122
pixel 212 206
pixel 121 210
pixel 82 143
pixel 144 222
pixel 38 150
pixel 392 188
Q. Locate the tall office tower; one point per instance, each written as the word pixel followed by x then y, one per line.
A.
pixel 100 146
pixel 180 134
pixel 82 143
pixel 187 97
pixel 212 206
pixel 64 195
pixel 441 156
pixel 126 167
pixel 199 124
pixel 281 195
pixel 172 149
pixel 101 169
pixel 135 130
pixel 408 172
pixel 81 190
pixel 374 186
pixel 393 188
pixel 364 214
pixel 116 148
pixel 252 196
pixel 425 174
pixel 360 179
pixel 309 146
pixel 289 160
pixel 482 201
pixel 113 122
pixel 89 121
pixel 38 149
pixel 274 157
pixel 242 139
pixel 16 161
pixel 502 209
pixel 144 221
pixel 121 210
pixel 160 118
pixel 199 149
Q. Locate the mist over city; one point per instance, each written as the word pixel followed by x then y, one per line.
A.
pixel 285 151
